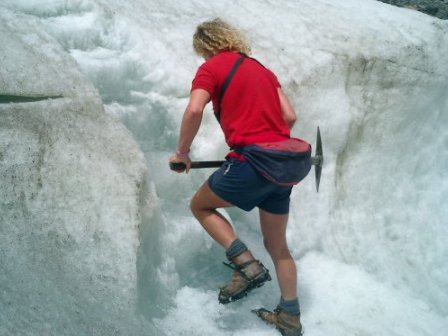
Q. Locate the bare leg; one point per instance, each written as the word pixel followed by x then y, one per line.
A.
pixel 273 228
pixel 203 206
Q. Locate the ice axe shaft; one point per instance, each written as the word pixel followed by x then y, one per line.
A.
pixel 317 161
pixel 196 165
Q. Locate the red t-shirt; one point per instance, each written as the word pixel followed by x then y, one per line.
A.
pixel 250 108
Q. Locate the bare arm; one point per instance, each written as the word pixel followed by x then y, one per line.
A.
pixel 191 122
pixel 289 115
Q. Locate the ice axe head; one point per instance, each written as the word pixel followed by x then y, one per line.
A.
pixel 318 159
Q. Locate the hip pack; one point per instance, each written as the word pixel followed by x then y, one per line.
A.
pixel 285 162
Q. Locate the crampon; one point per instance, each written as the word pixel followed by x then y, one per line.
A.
pixel 286 324
pixel 246 277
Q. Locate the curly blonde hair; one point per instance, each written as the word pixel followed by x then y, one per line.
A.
pixel 216 35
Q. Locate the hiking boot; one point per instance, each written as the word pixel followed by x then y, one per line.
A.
pixel 287 324
pixel 246 277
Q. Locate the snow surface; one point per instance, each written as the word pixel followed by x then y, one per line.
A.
pixel 371 246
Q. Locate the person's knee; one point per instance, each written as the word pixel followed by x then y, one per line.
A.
pixel 198 208
pixel 195 206
pixel 277 251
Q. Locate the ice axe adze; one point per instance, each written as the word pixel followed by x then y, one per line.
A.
pixel 317 161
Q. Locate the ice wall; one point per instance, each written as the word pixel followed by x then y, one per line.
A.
pixel 72 193
pixel 375 79
pixel 371 246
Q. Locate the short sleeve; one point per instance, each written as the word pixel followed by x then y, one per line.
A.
pixel 274 79
pixel 204 79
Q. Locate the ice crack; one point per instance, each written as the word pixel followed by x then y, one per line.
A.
pixel 7 99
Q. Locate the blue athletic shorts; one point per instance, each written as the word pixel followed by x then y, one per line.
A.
pixel 238 183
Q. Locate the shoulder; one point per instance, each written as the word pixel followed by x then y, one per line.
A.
pixel 273 77
pixel 264 71
pixel 208 74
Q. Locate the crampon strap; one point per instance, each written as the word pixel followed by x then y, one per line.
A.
pixel 239 268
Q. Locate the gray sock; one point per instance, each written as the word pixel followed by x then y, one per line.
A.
pixel 235 249
pixel 290 306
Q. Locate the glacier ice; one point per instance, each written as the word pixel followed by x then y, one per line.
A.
pixel 72 195
pixel 371 246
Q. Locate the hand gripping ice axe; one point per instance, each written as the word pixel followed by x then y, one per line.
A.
pixel 317 161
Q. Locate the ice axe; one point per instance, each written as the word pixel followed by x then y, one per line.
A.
pixel 317 161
